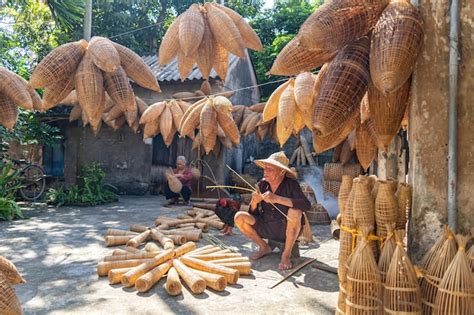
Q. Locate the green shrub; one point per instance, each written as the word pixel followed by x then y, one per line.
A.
pixel 10 182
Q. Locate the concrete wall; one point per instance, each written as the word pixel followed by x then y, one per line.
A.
pixel 428 130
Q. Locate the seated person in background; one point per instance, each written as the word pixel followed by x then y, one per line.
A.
pixel 183 173
pixel 279 186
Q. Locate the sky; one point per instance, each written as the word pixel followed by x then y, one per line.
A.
pixel 268 4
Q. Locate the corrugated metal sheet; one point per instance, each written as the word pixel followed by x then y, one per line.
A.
pixel 170 71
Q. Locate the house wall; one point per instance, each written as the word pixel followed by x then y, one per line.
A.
pixel 428 131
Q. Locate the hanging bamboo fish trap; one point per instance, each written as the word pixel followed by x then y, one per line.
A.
pixel 435 271
pixel 365 146
pixel 346 152
pixel 332 171
pixel 386 208
pixel 396 42
pixel 353 170
pixel 402 293
pixel 15 88
pixel 8 112
pixel 10 272
pixel 343 88
pixel 323 143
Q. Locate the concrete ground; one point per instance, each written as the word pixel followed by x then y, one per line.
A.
pixel 57 251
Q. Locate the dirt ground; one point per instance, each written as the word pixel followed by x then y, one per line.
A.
pixel 57 251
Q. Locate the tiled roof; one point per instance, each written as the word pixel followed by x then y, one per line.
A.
pixel 170 71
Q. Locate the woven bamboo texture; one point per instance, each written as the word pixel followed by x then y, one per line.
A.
pixel 387 111
pixel 56 92
pixel 208 127
pixel 285 117
pixel 220 64
pixel 346 152
pixel 9 303
pixel 340 22
pixel 191 30
pixel 344 191
pixel 205 54
pixel 103 53
pixel 387 252
pixel 370 126
pixel 386 208
pixel 304 91
pixel 432 252
pixel 470 256
pixel 363 211
pixel 318 215
pixel 336 153
pixel 396 42
pixel 402 293
pixel 305 188
pixel 343 88
pixel 37 105
pixel 404 199
pixel 353 170
pixel 118 88
pixel 170 44
pixel 90 90
pixel 136 68
pixel 331 187
pixel 8 112
pixel 366 149
pixel 332 171
pixel 58 64
pixel 10 272
pixel 225 31
pixel 15 88
pixel 294 59
pixel 456 289
pixel 435 270
pixel 346 238
pixel 364 286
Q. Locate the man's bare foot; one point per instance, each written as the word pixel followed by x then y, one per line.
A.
pixel 285 264
pixel 261 253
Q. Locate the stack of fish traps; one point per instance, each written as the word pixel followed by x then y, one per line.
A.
pixel 9 276
pixel 333 173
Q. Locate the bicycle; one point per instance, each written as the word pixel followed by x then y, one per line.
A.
pixel 33 180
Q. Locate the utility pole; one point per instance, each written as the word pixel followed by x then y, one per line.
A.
pixel 88 20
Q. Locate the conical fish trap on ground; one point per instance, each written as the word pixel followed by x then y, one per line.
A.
pixel 386 254
pixel 386 208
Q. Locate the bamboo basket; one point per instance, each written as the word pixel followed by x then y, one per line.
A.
pixel 227 123
pixel 104 55
pixel 365 146
pixel 208 128
pixel 170 44
pixel 118 88
pixel 308 192
pixel 323 143
pixel 285 118
pixel 338 23
pixel 402 292
pixel 363 211
pixel 136 68
pixel 318 215
pixel 220 64
pixel 59 64
pixel 364 286
pixel 56 92
pixel 387 252
pixel 346 153
pixel 294 59
pixel 435 270
pixel 331 187
pixel 304 91
pixel 10 272
pixel 344 191
pixel 9 303
pixel 456 289
pixel 404 199
pixel 8 112
pixel 396 42
pixel 346 238
pixel 15 88
pixel 332 171
pixel 191 30
pixel 432 252
pixel 353 170
pixel 387 111
pixel 343 88
pixel 205 55
pixel 386 208
pixel 115 275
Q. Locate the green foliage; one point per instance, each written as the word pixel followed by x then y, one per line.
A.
pixel 92 190
pixel 10 182
pixel 9 209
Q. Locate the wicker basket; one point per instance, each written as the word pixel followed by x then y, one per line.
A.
pixel 323 143
pixel 332 172
pixel 308 192
pixel 363 212
pixel 221 58
pixel 318 215
pixel 387 252
pixel 8 112
pixel 353 170
pixel 9 303
pixel 366 149
pixel 118 88
pixel 396 42
pixel 191 30
pixel 343 88
pixel 205 53
pixel 331 187
pixel 15 88
pixel 104 55
pixel 170 44
pixel 56 92
pixel 386 208
pixel 9 271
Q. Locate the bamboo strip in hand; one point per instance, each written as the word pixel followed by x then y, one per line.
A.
pixel 231 275
pixel 149 279
pixel 194 282
pixel 173 285
pixel 115 275
pixel 131 276
pixel 104 267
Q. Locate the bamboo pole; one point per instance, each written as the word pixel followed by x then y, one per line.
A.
pixel 212 223
pixel 104 267
pixel 149 279
pixel 173 285
pixel 115 275
pixel 196 284
pixel 231 260
pixel 231 275
pixel 129 278
pixel 119 251
pixel 178 239
pixel 200 249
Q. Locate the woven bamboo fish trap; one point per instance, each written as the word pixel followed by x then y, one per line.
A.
pixel 435 271
pixel 174 183
pixel 307 191
pixel 318 215
pixel 229 126
pixel 15 88
pixel 402 292
pixel 404 199
pixel 331 187
pixel 353 170
pixel 56 92
pixel 103 53
pixel 225 31
pixel 205 54
pixel 344 191
pixel 396 42
pixel 220 64
pixel 118 88
pixel 9 303
pixel 294 59
pixel 364 212
pixel 286 109
pixel 456 289
pixel 364 108
pixel 387 251
pixel 37 105
pixel 364 286
pixel 304 91
pixel 323 143
pixel 90 91
pixel 136 68
pixel 332 171
pixel 346 153
pixel 58 64
pixel 432 252
pixel 343 88
pixel 387 111
pixel 365 146
pixel 170 44
pixel 340 22
pixel 346 238
pixel 166 122
pixel 470 255
pixel 370 126
pixel 386 208
pixel 10 272
pixel 208 127
pixel 191 30
pixel 336 153
pixel 8 112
